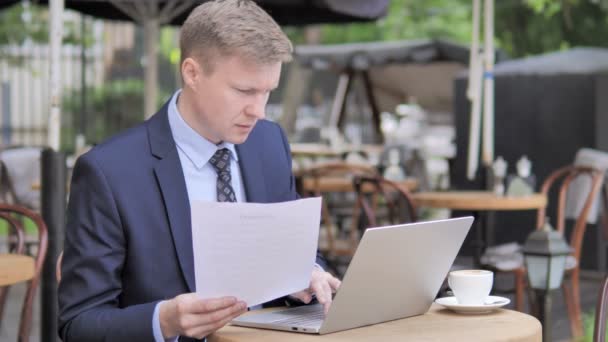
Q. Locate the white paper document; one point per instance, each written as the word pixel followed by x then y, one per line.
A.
pixel 255 252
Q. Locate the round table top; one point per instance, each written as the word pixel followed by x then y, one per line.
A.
pixel 478 200
pixel 341 184
pixel 438 324
pixel 324 150
pixel 15 268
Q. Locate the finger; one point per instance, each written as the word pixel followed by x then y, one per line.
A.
pixel 322 290
pixel 328 291
pixel 193 321
pixel 213 304
pixel 304 296
pixel 201 331
pixel 220 315
pixel 334 283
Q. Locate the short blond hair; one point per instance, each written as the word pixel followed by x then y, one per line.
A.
pixel 225 28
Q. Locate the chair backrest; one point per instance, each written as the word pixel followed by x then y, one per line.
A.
pixel 561 180
pixel 591 158
pixel 380 198
pixel 331 180
pixel 28 301
pixel 16 235
pixel 599 330
pixel 314 178
pixel 16 244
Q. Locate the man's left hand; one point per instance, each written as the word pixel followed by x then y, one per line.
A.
pixel 322 285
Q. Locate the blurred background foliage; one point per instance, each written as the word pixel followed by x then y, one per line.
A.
pixel 26 23
pixel 523 27
pixel 111 108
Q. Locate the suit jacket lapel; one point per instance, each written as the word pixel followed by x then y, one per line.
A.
pixel 250 163
pixel 172 184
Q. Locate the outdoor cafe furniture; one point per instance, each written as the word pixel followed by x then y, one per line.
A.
pixel 563 180
pixel 479 201
pixel 382 202
pixel 15 268
pixel 344 184
pixel 438 324
pixel 316 150
pixel 330 180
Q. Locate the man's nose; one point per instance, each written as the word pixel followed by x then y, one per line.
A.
pixel 258 107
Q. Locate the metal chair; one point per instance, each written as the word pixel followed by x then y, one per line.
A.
pixel 32 285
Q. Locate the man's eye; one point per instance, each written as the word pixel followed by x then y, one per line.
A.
pixel 247 91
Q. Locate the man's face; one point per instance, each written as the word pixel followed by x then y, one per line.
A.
pixel 227 103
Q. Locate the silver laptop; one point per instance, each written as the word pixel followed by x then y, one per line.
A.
pixel 396 272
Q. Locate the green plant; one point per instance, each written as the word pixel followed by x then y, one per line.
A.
pixel 110 108
pixel 522 27
pixel 588 325
pixel 28 225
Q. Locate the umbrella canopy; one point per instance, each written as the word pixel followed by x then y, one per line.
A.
pixel 367 55
pixel 285 12
pixel 381 67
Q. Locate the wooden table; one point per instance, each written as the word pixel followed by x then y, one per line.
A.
pixel 341 184
pixel 15 268
pixel 479 201
pixel 437 324
pixel 313 150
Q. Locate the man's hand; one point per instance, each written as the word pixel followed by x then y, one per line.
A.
pixel 322 285
pixel 190 316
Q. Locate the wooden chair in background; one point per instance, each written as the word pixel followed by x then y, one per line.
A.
pixel 16 244
pixel 333 182
pixel 382 202
pixel 560 181
pixel 32 284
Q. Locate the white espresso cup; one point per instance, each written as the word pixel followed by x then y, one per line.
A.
pixel 471 287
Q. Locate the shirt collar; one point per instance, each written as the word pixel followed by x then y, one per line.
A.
pixel 196 148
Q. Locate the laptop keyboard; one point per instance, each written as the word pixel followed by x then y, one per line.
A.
pixel 310 316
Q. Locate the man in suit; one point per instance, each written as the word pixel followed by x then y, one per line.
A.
pixel 128 269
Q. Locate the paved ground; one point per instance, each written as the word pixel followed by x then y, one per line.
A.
pixel 590 283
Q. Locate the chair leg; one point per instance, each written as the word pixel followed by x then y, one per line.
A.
pixel 576 321
pixel 520 289
pixel 3 296
pixel 25 323
pixel 571 306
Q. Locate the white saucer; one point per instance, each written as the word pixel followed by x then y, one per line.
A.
pixel 492 303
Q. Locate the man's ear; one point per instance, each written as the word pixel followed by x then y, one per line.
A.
pixel 191 71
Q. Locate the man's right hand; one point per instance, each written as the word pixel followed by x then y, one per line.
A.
pixel 190 316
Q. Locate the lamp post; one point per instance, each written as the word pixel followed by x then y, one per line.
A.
pixel 545 252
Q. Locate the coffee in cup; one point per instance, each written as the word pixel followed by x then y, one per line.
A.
pixel 471 287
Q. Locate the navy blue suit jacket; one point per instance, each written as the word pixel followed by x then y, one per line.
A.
pixel 128 236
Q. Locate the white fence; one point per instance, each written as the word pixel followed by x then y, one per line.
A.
pixel 24 88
